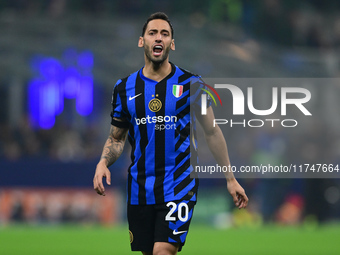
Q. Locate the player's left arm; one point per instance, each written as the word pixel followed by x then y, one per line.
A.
pixel 218 147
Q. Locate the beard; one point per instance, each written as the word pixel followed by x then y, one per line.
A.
pixel 153 59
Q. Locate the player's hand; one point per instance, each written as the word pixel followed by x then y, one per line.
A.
pixel 101 171
pixel 237 192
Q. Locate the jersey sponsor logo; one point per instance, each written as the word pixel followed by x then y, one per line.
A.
pixel 155 119
pixel 166 122
pixel 177 90
pixel 155 105
pixel 175 232
pixel 131 98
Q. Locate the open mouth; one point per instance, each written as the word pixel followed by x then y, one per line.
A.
pixel 157 50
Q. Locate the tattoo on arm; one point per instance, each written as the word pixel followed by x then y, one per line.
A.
pixel 114 145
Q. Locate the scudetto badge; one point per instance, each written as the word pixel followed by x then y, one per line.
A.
pixel 177 90
pixel 155 105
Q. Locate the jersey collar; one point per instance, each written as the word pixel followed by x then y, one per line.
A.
pixel 173 70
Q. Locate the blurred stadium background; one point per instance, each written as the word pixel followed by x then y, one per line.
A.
pixel 59 60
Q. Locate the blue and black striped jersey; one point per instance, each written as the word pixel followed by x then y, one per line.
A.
pixel 158 117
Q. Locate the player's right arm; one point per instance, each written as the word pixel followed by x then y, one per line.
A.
pixel 113 148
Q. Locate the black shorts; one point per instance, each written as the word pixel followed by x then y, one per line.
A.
pixel 168 222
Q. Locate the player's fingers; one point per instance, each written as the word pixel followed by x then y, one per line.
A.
pixel 95 185
pixel 239 201
pixel 246 199
pixel 99 187
pixel 98 191
pixel 242 204
pixel 243 200
pixel 235 198
pixel 108 178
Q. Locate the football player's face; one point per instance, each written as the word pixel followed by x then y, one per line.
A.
pixel 157 41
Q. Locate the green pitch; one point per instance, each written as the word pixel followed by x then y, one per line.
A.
pixel 74 240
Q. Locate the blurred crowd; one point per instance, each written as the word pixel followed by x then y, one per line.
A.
pixel 298 23
pixel 312 23
pixel 62 142
pixel 53 206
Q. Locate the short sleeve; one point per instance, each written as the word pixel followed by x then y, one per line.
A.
pixel 117 109
pixel 199 88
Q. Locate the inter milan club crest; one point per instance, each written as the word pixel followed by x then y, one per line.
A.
pixel 155 104
pixel 177 90
pixel 131 236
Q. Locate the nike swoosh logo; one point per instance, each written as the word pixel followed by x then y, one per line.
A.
pixel 178 233
pixel 131 98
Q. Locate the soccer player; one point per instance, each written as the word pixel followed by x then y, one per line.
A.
pixel 151 108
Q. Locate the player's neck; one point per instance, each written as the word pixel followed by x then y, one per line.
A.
pixel 157 72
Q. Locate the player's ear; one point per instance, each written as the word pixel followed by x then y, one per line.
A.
pixel 141 42
pixel 172 45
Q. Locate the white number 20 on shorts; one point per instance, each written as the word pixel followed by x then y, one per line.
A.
pixel 173 207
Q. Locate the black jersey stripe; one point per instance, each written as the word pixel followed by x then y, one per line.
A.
pixel 184 134
pixel 114 100
pixel 189 195
pixel 186 75
pixel 183 113
pixel 160 147
pixel 122 94
pixel 177 130
pixel 180 186
pixel 184 99
pixel 182 155
pixel 132 142
pixel 180 115
pixel 129 182
pixel 182 169
pixel 187 87
pixel 140 111
pixel 133 145
pixel 182 102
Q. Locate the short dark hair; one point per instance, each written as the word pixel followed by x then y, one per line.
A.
pixel 158 15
